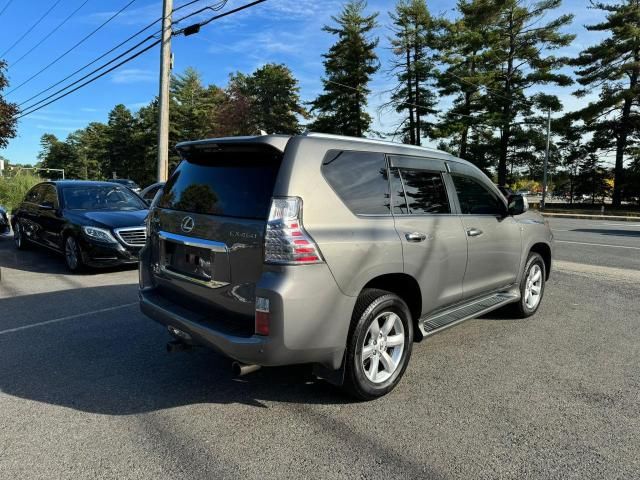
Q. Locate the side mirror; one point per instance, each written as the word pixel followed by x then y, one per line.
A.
pixel 518 204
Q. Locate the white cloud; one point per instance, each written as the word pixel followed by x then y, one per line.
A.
pixel 134 75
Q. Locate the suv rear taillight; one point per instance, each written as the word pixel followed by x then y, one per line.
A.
pixel 286 241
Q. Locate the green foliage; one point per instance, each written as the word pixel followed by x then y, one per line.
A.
pixel 8 111
pixel 349 66
pixel 13 189
pixel 518 57
pixel 127 144
pixel 273 95
pixel 613 65
pixel 466 68
pixel 415 35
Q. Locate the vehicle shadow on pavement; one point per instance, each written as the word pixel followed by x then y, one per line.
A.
pixel 114 362
pixel 41 260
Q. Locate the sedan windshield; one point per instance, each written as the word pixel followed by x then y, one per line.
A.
pixel 101 197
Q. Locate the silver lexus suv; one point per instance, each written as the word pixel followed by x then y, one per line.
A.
pixel 333 251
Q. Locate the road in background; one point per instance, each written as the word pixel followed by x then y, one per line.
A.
pixel 597 242
pixel 88 391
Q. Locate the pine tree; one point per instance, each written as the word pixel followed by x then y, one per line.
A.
pixel 412 45
pixel 518 47
pixel 120 139
pixel 349 65
pixel 8 111
pixel 275 101
pixel 613 67
pixel 189 106
pixel 465 63
pixel 145 144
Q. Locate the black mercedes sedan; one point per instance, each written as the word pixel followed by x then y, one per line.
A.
pixel 94 224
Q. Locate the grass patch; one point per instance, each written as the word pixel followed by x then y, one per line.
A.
pixel 13 189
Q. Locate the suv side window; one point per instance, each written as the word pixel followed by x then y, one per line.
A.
pixel 49 195
pixel 475 198
pixel 360 180
pixel 424 192
pixel 397 193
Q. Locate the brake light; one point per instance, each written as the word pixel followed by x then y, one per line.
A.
pixel 263 316
pixel 286 241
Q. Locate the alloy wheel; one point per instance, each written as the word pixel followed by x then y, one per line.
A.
pixel 533 287
pixel 383 347
pixel 71 253
pixel 17 235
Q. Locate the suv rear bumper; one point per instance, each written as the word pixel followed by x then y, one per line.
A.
pixel 310 319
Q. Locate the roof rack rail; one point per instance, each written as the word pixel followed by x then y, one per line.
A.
pixel 307 133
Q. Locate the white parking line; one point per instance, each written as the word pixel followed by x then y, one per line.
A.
pixel 598 244
pixel 69 317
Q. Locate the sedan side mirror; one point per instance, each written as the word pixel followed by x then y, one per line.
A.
pixel 518 204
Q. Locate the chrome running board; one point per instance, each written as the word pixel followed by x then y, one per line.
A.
pixel 439 321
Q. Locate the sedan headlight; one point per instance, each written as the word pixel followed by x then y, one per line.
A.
pixel 100 234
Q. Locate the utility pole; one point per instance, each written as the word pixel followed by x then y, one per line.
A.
pixel 163 106
pixel 546 161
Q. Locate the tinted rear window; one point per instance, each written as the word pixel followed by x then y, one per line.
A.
pixel 425 191
pixel 360 180
pixel 233 184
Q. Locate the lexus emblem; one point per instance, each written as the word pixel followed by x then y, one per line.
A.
pixel 187 224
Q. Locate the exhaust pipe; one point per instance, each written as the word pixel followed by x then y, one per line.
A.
pixel 242 369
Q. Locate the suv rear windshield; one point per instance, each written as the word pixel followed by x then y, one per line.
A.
pixel 232 184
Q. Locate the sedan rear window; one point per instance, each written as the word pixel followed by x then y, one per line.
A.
pixel 233 184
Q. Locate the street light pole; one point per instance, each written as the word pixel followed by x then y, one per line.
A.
pixel 546 161
pixel 163 97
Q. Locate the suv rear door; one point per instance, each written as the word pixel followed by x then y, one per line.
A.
pixel 434 244
pixel 208 229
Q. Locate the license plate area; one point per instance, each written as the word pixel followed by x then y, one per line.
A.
pixel 202 262
pixel 195 262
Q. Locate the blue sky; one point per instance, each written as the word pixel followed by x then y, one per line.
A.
pixel 287 31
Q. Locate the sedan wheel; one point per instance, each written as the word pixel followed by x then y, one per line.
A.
pixel 18 237
pixel 72 254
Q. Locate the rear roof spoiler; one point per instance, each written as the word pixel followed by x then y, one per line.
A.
pixel 278 142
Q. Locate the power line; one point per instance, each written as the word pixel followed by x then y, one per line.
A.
pixel 13 64
pixel 84 67
pixel 196 27
pixel 126 52
pixel 31 109
pixel 22 114
pixel 6 6
pixel 84 39
pixel 214 7
pixel 30 29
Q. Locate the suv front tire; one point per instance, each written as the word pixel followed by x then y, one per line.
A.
pixel 379 344
pixel 531 286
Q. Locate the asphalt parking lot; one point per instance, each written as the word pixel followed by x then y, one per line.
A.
pixel 88 391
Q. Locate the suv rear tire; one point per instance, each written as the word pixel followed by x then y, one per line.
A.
pixel 531 286
pixel 379 344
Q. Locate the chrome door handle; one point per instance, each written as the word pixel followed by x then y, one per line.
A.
pixel 474 232
pixel 415 237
